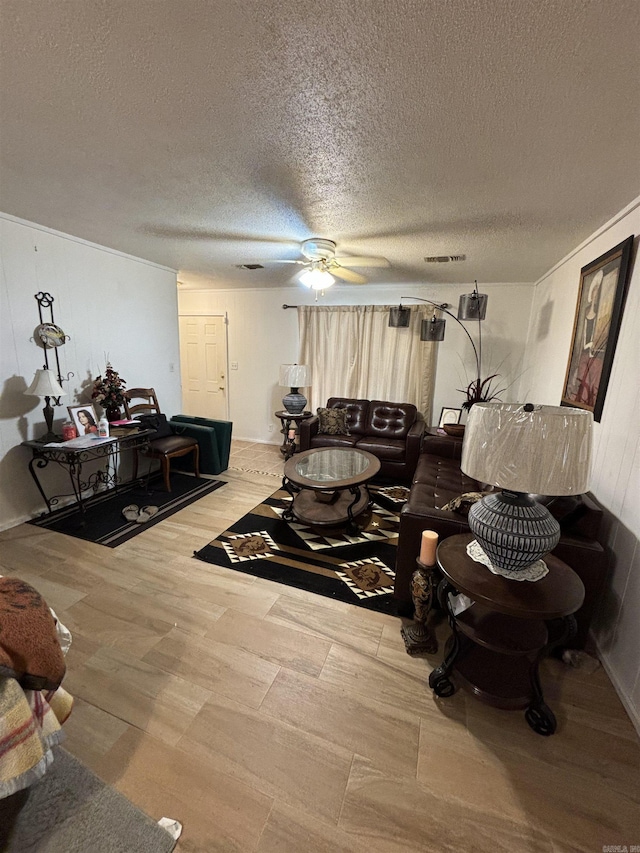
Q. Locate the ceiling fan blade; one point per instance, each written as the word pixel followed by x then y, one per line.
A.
pixel 277 261
pixel 363 262
pixel 347 275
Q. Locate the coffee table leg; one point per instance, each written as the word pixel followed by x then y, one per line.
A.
pixel 352 527
pixel 288 486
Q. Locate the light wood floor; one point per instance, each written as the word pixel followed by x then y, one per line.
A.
pixel 268 719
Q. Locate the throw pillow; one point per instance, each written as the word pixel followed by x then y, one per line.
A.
pixel 333 421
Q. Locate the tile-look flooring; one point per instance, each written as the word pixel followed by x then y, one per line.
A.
pixel 266 719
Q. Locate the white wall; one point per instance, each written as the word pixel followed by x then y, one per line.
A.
pixel 111 305
pixel 262 336
pixel 616 469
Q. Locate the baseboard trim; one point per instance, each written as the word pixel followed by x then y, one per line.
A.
pixel 632 711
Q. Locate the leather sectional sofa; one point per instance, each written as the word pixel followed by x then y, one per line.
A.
pixel 391 431
pixel 438 480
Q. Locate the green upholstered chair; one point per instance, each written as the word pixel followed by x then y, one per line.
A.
pixel 213 436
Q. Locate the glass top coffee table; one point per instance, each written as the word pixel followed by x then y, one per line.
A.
pixel 327 486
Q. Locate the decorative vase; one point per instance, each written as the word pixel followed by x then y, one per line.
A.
pixel 113 414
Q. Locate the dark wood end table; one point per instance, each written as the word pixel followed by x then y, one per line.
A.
pixel 496 644
pixel 289 446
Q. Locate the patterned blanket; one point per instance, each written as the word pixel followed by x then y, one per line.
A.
pixel 33 706
pixel 30 724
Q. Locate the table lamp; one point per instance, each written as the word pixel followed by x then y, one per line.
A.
pixel 524 450
pixel 295 376
pixel 45 384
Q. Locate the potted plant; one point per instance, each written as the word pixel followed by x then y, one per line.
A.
pixel 109 391
pixel 481 391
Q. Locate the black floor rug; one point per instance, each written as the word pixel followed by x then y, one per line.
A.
pixel 71 810
pixel 356 569
pixel 103 521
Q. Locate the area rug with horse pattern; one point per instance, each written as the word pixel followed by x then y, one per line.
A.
pixel 358 569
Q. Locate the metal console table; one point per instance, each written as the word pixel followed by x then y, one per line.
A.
pixel 72 459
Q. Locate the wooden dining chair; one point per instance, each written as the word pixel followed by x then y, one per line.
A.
pixel 167 445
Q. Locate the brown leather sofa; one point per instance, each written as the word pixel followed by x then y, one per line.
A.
pixel 438 479
pixel 391 431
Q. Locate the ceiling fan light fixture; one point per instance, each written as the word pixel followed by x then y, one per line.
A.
pixel 317 279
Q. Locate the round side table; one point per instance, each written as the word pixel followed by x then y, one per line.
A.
pixel 496 644
pixel 289 446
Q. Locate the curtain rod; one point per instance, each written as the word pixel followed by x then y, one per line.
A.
pixel 442 306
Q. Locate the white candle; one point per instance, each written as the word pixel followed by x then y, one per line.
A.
pixel 428 545
pixel 292 434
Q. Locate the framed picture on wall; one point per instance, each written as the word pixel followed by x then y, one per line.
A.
pixel 603 288
pixel 85 418
pixel 449 416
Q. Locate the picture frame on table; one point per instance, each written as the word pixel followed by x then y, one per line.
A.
pixel 449 416
pixel 601 296
pixel 85 418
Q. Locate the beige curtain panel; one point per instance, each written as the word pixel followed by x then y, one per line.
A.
pixel 353 352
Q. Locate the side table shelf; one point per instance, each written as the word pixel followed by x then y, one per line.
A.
pixel 497 643
pixel 289 445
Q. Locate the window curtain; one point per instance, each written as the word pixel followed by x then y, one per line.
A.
pixel 353 352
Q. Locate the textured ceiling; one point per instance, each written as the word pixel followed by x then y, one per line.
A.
pixel 202 134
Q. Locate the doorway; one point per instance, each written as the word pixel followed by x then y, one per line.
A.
pixel 203 366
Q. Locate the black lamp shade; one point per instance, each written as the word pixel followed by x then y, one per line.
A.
pixel 432 330
pixel 472 306
pixel 399 317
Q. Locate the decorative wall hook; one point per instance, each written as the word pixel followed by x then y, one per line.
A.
pixel 50 337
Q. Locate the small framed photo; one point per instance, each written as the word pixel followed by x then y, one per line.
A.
pixel 85 418
pixel 449 416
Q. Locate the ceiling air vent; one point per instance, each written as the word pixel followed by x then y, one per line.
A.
pixel 249 266
pixel 444 259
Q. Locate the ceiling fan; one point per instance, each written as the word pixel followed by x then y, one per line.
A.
pixel 322 267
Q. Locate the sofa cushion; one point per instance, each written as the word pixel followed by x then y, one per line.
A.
pixel 438 481
pixel 390 420
pixel 388 449
pixel 333 441
pixel 332 421
pixel 357 411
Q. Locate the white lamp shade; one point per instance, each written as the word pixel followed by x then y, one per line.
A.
pixel 317 279
pixel 45 384
pixel 295 375
pixel 545 451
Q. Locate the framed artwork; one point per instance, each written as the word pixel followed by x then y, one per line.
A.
pixel 85 418
pixel 449 416
pixel 603 288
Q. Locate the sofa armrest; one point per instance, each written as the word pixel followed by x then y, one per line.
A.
pixel 413 447
pixel 306 430
pixel 210 462
pixel 222 432
pixel 442 445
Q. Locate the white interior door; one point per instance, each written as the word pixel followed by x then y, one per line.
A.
pixel 203 363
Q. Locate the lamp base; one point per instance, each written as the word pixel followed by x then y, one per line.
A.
pixel 294 402
pixel 513 529
pixel 49 436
